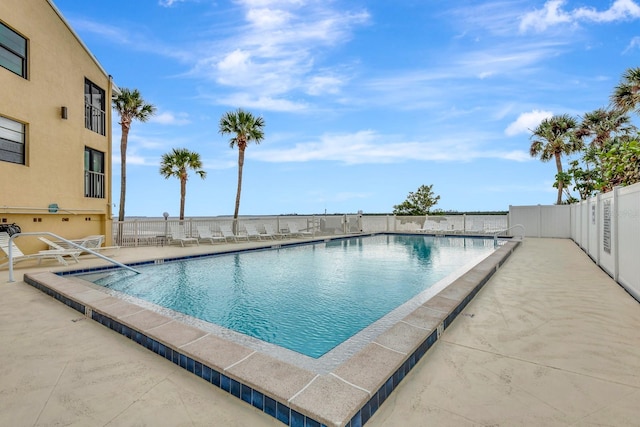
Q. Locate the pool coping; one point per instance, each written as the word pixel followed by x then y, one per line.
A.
pixel 347 396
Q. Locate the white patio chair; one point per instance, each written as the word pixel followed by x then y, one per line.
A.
pixel 295 231
pixel 227 233
pixel 179 234
pixel 17 255
pixel 204 233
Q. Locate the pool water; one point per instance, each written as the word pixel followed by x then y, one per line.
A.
pixel 307 298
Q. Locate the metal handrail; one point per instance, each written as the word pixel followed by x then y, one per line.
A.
pixel 495 235
pixel 64 240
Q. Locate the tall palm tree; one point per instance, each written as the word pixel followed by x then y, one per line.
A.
pixel 244 127
pixel 130 106
pixel 602 124
pixel 552 138
pixel 177 163
pixel 626 96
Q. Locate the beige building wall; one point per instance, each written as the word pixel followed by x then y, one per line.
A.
pixel 54 169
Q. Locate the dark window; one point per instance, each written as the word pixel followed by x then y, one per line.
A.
pixel 13 51
pixel 11 141
pixel 93 173
pixel 94 115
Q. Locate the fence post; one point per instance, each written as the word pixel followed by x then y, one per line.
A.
pixel 614 233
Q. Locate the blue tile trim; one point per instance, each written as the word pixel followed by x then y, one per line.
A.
pixel 55 295
pixel 268 405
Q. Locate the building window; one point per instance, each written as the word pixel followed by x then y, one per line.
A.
pixel 93 173
pixel 11 141
pixel 13 51
pixel 94 116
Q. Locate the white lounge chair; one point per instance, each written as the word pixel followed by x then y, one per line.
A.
pixel 93 242
pixel 204 233
pixel 17 255
pixel 179 234
pixel 270 231
pixel 72 252
pixel 227 233
pixel 295 231
pixel 267 234
pixel 252 231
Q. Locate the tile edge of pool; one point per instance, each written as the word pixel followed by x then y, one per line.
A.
pixel 357 387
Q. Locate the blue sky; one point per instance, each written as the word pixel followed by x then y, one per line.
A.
pixel 364 101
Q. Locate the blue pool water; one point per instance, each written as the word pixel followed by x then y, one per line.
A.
pixel 307 298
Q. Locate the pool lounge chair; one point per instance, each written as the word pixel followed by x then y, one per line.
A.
pixel 93 242
pixel 295 231
pixel 178 234
pixel 17 255
pixel 270 231
pixel 204 233
pixel 72 252
pixel 252 231
pixel 227 233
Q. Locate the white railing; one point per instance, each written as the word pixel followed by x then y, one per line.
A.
pixel 156 231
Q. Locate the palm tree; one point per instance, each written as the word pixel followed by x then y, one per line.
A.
pixel 130 106
pixel 552 138
pixel 626 96
pixel 177 163
pixel 246 128
pixel 602 124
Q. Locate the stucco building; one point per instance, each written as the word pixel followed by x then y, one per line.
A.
pixel 55 126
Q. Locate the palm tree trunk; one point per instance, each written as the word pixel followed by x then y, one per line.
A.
pixel 123 179
pixel 183 194
pixel 560 182
pixel 123 170
pixel 240 165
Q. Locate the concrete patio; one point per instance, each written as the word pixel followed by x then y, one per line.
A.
pixel 550 340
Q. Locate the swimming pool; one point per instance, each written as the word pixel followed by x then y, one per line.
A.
pixel 306 298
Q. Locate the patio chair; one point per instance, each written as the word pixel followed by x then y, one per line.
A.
pixel 204 233
pixel 93 242
pixel 17 255
pixel 179 234
pixel 252 231
pixel 270 231
pixel 227 233
pixel 72 252
pixel 295 231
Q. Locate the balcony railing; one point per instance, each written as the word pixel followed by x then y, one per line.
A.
pixel 94 184
pixel 94 119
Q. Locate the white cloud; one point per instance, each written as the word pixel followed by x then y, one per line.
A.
pixel 552 14
pixel 319 85
pixel 620 10
pixel 262 103
pixel 277 48
pixel 368 147
pixel 633 44
pixel 169 3
pixel 169 118
pixel 527 121
pixel 265 18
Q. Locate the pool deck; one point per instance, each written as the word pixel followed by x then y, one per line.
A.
pixel 549 340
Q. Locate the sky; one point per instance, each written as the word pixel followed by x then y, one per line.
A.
pixel 363 101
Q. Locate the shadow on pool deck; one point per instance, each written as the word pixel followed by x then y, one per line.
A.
pixel 550 340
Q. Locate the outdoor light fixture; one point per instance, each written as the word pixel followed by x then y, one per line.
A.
pixel 63 112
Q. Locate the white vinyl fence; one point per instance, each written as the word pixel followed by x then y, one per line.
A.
pixel 157 231
pixel 606 227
